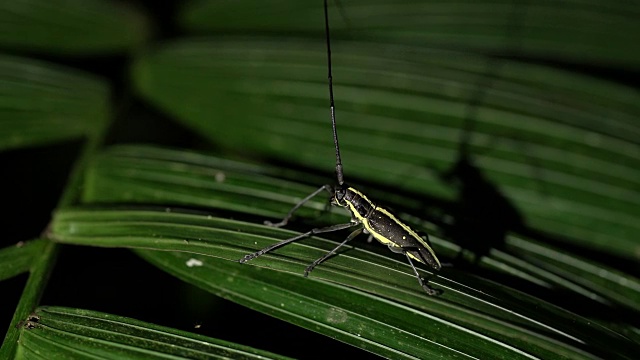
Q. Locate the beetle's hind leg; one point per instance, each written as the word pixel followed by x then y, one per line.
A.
pixel 424 283
pixel 332 252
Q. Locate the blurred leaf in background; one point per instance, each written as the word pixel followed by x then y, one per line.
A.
pixel 506 130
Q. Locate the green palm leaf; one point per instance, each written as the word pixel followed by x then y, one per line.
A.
pixel 17 259
pixel 579 31
pixel 63 333
pixel 42 103
pixel 493 316
pixel 563 157
pixel 560 145
pixel 147 175
pixel 78 27
pixel 470 311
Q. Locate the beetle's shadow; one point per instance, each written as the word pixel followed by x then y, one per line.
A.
pixel 481 216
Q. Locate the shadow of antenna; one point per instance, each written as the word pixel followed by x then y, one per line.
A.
pixel 537 173
pixel 343 15
pixel 513 38
pixel 515 27
pixel 482 215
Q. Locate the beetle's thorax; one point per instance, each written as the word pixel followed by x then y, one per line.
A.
pixel 355 201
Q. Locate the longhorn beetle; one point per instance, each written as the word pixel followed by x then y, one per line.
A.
pixel 376 221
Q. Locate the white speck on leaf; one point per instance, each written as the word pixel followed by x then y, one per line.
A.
pixel 194 262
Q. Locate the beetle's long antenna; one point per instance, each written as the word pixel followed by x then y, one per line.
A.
pixel 339 173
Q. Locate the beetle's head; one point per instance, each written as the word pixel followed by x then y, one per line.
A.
pixel 339 194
